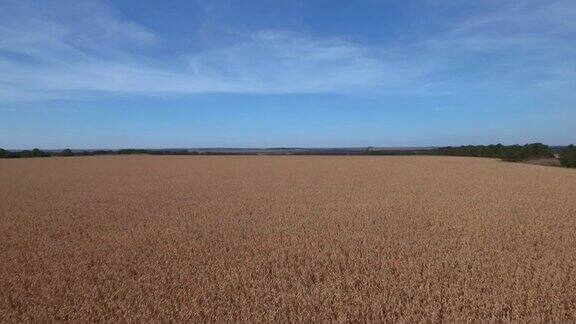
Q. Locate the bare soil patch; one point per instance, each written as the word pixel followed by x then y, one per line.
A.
pixel 545 162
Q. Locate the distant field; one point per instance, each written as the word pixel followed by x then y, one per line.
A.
pixel 278 238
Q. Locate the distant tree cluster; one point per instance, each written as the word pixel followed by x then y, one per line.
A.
pixel 568 157
pixel 68 152
pixel 511 153
pixel 22 154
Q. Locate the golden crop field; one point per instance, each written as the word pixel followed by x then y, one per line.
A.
pixel 286 238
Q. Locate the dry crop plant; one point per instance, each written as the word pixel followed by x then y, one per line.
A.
pixel 247 238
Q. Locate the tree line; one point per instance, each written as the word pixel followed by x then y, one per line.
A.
pixel 510 153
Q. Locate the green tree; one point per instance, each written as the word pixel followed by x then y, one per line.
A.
pixel 538 150
pixel 514 153
pixel 67 152
pixel 38 153
pixel 568 157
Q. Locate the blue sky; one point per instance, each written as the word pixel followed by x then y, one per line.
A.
pixel 261 73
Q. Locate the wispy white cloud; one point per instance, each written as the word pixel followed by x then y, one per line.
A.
pixel 58 59
pixel 48 58
pixel 509 47
pixel 71 49
pixel 284 62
